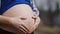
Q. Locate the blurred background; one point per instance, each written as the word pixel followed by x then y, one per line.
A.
pixel 50 16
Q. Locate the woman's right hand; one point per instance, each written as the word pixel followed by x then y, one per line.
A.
pixel 19 25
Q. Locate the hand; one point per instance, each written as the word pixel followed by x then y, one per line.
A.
pixel 36 23
pixel 19 25
pixel 23 24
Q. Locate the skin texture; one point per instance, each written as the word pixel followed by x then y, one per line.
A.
pixel 21 19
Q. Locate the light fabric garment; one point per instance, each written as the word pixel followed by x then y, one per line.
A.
pixel 36 11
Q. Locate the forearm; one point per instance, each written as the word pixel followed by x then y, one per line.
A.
pixel 4 20
pixel 5 24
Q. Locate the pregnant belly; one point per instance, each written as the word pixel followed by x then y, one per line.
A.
pixel 19 11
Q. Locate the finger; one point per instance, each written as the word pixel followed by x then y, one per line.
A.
pixel 23 29
pixel 34 18
pixel 26 29
pixel 38 20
